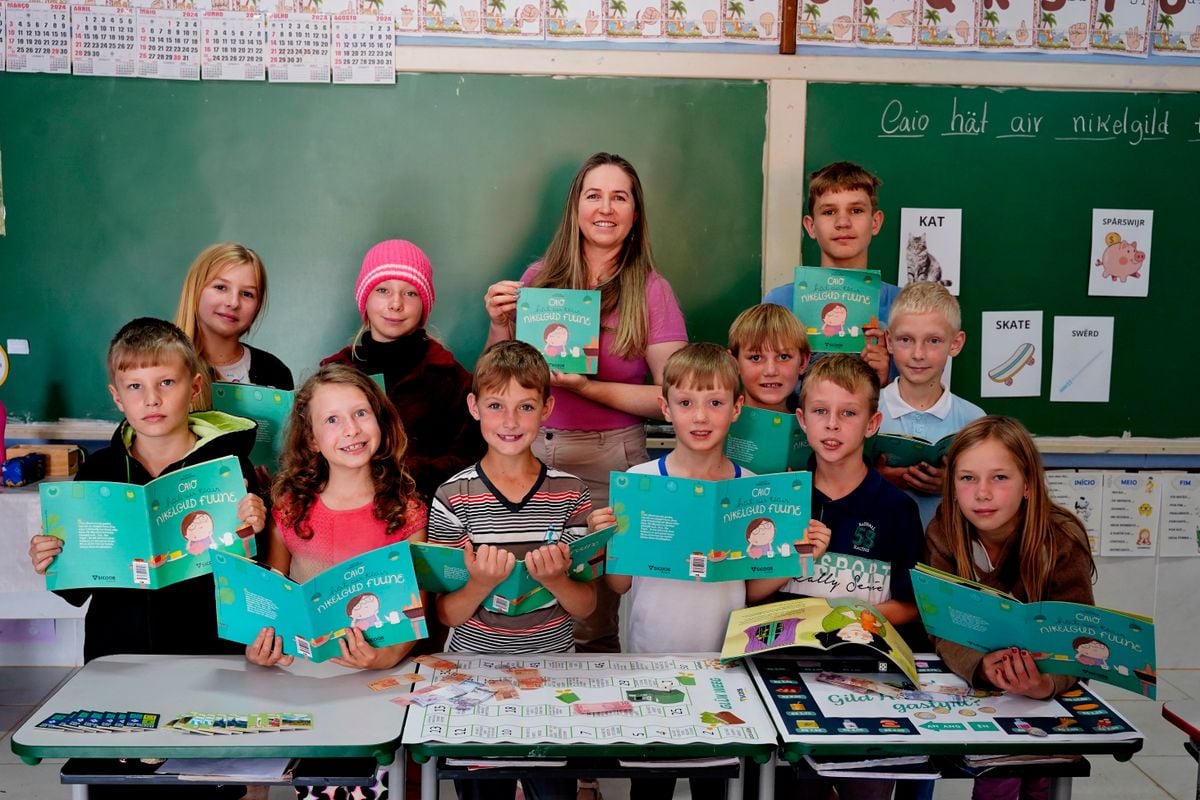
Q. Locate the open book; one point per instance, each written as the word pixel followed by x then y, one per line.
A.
pixel 836 306
pixel 1065 638
pixel 443 569
pixel 118 535
pixel 375 592
pixel 818 623
pixel 268 407
pixel 737 529
pixel 904 450
pixel 767 441
pixel 564 326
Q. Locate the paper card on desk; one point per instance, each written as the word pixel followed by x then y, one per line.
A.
pixel 268 407
pixel 1066 28
pixel 168 43
pixel 38 37
pixel 836 306
pixel 1065 638
pixel 105 40
pixel 830 23
pixel 298 51
pixel 364 49
pixel 767 441
pixel 442 569
pixel 375 592
pixel 126 536
pixel 564 326
pixel 711 531
pixel 1132 502
pixel 931 238
pixel 1011 354
pixel 817 623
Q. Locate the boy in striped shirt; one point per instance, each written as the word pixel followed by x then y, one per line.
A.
pixel 508 506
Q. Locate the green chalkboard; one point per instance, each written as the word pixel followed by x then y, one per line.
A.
pixel 1027 198
pixel 113 185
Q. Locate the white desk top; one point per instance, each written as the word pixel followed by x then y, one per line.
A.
pixel 348 718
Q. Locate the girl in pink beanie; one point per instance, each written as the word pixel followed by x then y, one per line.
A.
pixel 428 386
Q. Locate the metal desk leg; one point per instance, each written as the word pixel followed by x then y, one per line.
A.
pixel 429 781
pixel 396 775
pixel 79 791
pixel 766 779
pixel 735 787
pixel 1060 788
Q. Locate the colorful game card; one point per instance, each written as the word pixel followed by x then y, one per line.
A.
pixel 298 51
pixel 767 441
pixel 836 306
pixel 1007 26
pixel 948 24
pixel 1176 28
pixel 887 23
pixel 442 569
pixel 1064 24
pixel 1132 503
pixel 683 529
pixel 268 407
pixel 1082 368
pixel 564 325
pixel 829 22
pixel 624 20
pixel 1011 354
pixel 1122 27
pixel 931 247
pixel 104 40
pixel 37 37
pixel 168 44
pixel 364 49
pixel 1120 262
pixel 375 592
pixel 126 536
pixel 1065 638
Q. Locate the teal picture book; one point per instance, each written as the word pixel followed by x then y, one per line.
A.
pixel 767 441
pixel 564 325
pixel 1065 638
pixel 443 569
pixel 375 592
pixel 268 407
pixel 124 536
pixel 903 450
pixel 835 306
pixel 732 530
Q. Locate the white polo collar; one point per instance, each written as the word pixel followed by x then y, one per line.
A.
pixel 897 407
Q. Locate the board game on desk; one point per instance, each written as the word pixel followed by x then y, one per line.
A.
pixel 817 717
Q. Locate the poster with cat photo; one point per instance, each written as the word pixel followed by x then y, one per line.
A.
pixel 931 246
pixel 1120 261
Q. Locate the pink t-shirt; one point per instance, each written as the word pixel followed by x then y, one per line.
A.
pixel 572 412
pixel 339 535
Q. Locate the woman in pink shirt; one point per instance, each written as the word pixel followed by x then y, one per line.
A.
pixel 597 426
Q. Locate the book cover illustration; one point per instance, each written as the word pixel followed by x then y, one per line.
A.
pixel 442 569
pixel 835 306
pixel 907 450
pixel 1065 638
pixel 830 22
pixel 767 441
pixel 564 325
pixel 817 622
pixel 268 407
pixel 1007 26
pixel 375 592
pixel 119 535
pixel 710 531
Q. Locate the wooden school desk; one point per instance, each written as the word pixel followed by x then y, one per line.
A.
pixel 349 720
pixel 820 719
pixel 1185 715
pixel 684 706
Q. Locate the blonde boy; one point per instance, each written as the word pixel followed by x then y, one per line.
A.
pixel 924 332
pixel 843 217
pixel 772 352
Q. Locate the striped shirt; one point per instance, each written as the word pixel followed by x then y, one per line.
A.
pixel 469 508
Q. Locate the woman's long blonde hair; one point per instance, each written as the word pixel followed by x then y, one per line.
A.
pixel 1046 529
pixel 563 266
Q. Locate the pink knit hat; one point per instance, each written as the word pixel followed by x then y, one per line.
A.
pixel 399 260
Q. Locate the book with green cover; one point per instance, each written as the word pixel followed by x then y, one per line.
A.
pixel 268 407
pixel 767 441
pixel 564 325
pixel 905 450
pixel 737 529
pixel 375 592
pixel 819 623
pixel 443 569
pixel 120 535
pixel 835 306
pixel 1065 638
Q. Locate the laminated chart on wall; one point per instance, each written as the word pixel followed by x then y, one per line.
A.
pixel 1131 513
pixel 1081 493
pixel 1179 525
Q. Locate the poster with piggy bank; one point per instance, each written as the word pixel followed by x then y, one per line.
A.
pixel 1120 262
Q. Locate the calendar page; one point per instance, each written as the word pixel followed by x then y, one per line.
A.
pixel 168 43
pixel 364 49
pixel 104 40
pixel 37 37
pixel 298 48
pixel 234 46
pixel 3 46
pixel 675 699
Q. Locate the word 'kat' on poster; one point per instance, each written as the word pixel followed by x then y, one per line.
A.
pixel 931 246
pixel 1082 368
pixel 1010 352
pixel 1120 261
